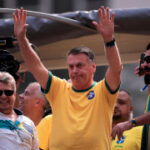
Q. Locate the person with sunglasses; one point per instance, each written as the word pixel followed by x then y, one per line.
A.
pixel 142 70
pixel 9 64
pixel 17 132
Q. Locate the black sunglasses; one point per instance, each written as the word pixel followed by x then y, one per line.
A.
pixel 147 59
pixel 7 92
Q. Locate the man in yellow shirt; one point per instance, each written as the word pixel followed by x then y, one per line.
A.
pixel 123 111
pixel 83 109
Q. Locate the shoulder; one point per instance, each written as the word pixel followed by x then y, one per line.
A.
pixel 47 118
pixel 45 122
pixel 24 119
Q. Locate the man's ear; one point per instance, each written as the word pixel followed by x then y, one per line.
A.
pixel 38 101
pixel 94 66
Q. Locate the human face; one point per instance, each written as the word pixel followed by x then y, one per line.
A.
pixel 123 107
pixel 146 63
pixel 7 102
pixel 144 67
pixel 81 71
pixel 27 100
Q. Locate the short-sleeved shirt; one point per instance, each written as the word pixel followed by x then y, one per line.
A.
pixel 81 118
pixel 44 132
pixel 131 140
pixel 20 135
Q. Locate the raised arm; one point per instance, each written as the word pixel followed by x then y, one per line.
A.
pixel 30 57
pixel 106 29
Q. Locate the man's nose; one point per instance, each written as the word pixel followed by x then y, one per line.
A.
pixel 21 95
pixel 116 105
pixel 75 69
pixel 21 100
pixel 3 95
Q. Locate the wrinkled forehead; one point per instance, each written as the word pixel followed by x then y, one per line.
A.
pixel 77 58
pixel 31 89
pixel 6 85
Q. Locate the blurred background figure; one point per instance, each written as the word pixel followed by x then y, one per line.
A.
pixel 33 103
pixel 123 111
pixel 9 64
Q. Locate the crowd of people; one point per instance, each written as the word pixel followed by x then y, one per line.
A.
pixel 86 115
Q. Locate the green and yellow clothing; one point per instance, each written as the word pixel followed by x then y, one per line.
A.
pixel 131 140
pixel 81 118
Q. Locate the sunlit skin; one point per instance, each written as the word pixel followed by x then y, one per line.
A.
pixel 32 103
pixel 27 99
pixel 123 108
pixel 6 102
pixel 81 71
pixel 105 27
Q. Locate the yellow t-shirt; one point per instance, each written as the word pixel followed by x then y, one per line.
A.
pixel 81 119
pixel 44 132
pixel 131 140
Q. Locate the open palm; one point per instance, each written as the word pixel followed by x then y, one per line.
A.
pixel 106 24
pixel 20 23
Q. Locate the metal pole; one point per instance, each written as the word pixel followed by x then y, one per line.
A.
pixel 52 17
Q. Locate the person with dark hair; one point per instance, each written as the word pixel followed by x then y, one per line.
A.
pixel 82 110
pixel 17 132
pixel 84 50
pixel 123 111
pixel 143 70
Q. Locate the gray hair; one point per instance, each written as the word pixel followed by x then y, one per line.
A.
pixel 82 49
pixel 7 78
pixel 40 94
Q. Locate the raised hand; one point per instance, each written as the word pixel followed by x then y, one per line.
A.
pixel 106 24
pixel 20 25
